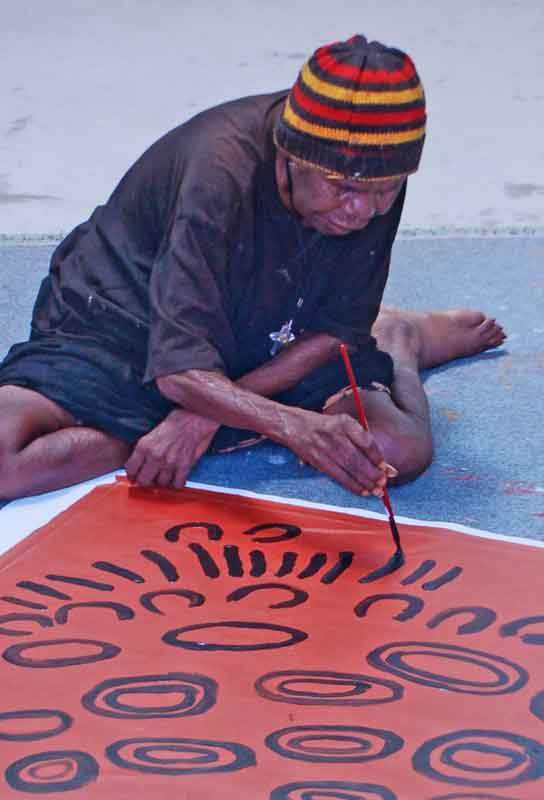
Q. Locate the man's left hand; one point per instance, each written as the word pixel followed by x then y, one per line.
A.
pixel 165 456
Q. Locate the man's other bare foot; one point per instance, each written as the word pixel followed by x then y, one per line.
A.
pixel 436 337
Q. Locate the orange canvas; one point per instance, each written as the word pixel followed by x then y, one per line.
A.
pixel 199 645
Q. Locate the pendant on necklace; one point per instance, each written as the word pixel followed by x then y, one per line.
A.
pixel 282 337
pixel 285 334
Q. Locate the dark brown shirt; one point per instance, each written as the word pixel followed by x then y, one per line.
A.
pixel 194 260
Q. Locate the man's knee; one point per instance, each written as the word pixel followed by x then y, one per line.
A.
pixel 409 449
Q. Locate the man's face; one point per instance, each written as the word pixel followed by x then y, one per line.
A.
pixel 337 207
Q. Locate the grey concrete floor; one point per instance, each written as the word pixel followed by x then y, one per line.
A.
pixel 488 471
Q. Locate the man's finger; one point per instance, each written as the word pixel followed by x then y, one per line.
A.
pixel 366 443
pixel 147 473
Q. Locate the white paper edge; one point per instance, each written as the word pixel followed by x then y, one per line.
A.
pixel 20 517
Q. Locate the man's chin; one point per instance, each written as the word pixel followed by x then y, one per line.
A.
pixel 330 228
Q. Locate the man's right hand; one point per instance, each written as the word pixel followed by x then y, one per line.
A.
pixel 339 446
pixel 165 456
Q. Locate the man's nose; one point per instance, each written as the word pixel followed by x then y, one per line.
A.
pixel 359 205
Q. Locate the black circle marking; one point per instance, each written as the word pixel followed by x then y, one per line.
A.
pixel 281 686
pixel 295 636
pixel 302 743
pixel 79 769
pixel 65 722
pixel 198 694
pixel 522 752
pixel 14 654
pixel 508 676
pixel 335 790
pixel 207 756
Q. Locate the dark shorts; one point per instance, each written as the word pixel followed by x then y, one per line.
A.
pixel 102 390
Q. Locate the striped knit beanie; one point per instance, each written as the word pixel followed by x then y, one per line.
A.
pixel 357 110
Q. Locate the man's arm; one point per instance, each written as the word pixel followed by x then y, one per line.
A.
pixel 167 454
pixel 336 444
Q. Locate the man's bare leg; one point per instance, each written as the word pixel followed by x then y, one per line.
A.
pixel 43 448
pixel 401 422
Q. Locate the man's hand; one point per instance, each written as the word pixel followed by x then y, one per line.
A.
pixel 339 446
pixel 165 456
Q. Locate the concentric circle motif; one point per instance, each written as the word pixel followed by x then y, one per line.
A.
pixel 51 772
pixel 9 719
pixel 334 744
pixel 175 756
pixel 324 688
pixel 16 654
pixel 139 697
pixel 333 790
pixel 481 758
pixel 437 665
pixel 176 636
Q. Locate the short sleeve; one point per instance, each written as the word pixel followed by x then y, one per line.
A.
pixel 189 320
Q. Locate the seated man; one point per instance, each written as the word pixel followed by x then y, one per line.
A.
pixel 203 306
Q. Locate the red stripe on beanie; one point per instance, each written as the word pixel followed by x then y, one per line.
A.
pixel 338 69
pixel 347 114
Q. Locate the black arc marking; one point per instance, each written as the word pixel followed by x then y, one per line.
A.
pixel 14 654
pixel 288 563
pixel 162 756
pixel 334 744
pixel 298 595
pixel 537 706
pixel 164 564
pixel 86 582
pixel 234 564
pixel 482 618
pixel 83 769
pixel 391 565
pixel 258 563
pixel 315 563
pixel 42 588
pixel 215 532
pixel 343 563
pixel 194 598
pixel 437 583
pixel 413 605
pixel 514 627
pixel 122 612
pixel 526 758
pixel 324 688
pixel 507 676
pixel 196 693
pixel 64 722
pixel 289 532
pixel 335 790
pixel 420 572
pixel 473 796
pixel 294 636
pixel 121 572
pixel 208 565
pixel 17 601
pixel 41 619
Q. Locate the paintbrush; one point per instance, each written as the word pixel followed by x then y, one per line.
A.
pixel 397 559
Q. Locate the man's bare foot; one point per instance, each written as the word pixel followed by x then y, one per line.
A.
pixel 436 337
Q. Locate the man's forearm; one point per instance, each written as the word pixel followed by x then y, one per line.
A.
pixel 293 364
pixel 214 396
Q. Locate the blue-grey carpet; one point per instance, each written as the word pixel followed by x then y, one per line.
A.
pixel 487 411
